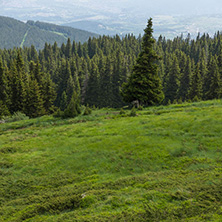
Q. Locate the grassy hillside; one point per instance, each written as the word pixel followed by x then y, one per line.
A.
pixel 14 33
pixel 162 165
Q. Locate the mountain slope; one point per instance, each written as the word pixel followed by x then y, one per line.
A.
pixel 14 33
pixel 162 165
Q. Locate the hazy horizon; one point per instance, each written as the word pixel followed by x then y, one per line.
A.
pixel 120 16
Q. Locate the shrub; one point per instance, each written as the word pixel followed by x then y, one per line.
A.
pixel 58 113
pixel 133 111
pixel 140 107
pixel 87 111
pixel 122 112
pixel 17 116
pixel 73 108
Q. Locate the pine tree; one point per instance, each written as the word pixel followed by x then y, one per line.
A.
pixel 106 85
pixel 92 91
pixel 144 83
pixel 4 97
pixel 117 80
pixel 49 95
pixel 73 108
pixel 196 85
pixel 214 90
pixel 34 100
pixel 19 87
pixel 68 50
pixel 185 81
pixel 63 101
pixel 70 88
pixel 172 86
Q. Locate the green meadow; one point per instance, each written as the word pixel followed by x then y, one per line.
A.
pixel 164 164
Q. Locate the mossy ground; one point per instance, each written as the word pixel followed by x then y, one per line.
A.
pixel 165 164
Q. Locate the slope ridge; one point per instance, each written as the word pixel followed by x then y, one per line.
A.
pixel 15 33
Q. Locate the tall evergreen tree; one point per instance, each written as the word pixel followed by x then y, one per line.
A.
pixel 173 83
pixel 106 84
pixel 214 89
pixel 19 86
pixel 4 97
pixel 144 84
pixel 195 92
pixel 92 91
pixel 185 81
pixel 34 100
pixel 49 95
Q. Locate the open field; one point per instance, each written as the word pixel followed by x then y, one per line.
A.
pixel 165 164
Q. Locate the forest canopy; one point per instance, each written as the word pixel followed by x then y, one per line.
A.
pixel 39 82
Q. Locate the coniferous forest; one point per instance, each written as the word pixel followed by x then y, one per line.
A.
pixel 156 162
pixel 40 82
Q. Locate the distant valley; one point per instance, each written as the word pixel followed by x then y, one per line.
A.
pixel 170 18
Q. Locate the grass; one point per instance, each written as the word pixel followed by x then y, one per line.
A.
pixel 162 165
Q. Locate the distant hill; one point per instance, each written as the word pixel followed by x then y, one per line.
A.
pixel 14 33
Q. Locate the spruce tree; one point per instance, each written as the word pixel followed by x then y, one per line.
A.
pixel 49 95
pixel 214 90
pixel 106 84
pixel 92 91
pixel 185 81
pixel 117 79
pixel 195 91
pixel 34 100
pixel 173 83
pixel 19 90
pixel 144 84
pixel 4 97
pixel 73 108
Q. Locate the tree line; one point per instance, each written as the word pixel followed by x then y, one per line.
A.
pixel 38 83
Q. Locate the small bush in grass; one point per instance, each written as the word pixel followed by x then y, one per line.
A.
pixel 140 107
pixel 72 110
pixel 58 113
pixel 133 111
pixel 87 111
pixel 17 116
pixel 122 112
pixel 195 99
pixel 169 102
pixel 180 101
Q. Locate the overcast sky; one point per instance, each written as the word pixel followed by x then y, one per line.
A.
pixel 185 7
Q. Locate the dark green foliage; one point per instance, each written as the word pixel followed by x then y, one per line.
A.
pixel 122 112
pixel 133 111
pixel 35 106
pixel 214 80
pixel 140 107
pixel 172 82
pixel 87 111
pixel 97 69
pixel 93 88
pixel 106 84
pixel 185 80
pixel 18 86
pixel 4 92
pixel 73 108
pixel 63 101
pixel 17 116
pixel 3 110
pixel 49 95
pixel 196 89
pixel 144 84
